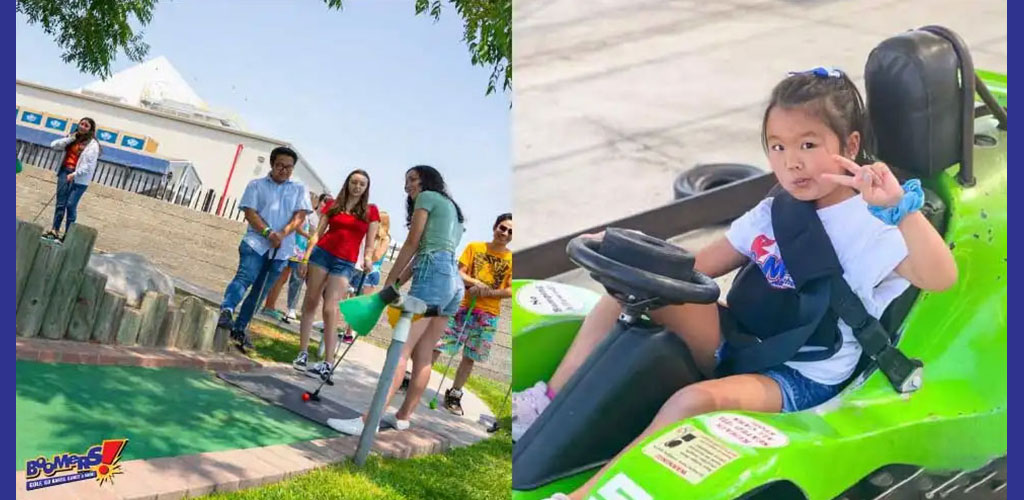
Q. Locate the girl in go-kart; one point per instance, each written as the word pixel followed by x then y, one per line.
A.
pixel 814 134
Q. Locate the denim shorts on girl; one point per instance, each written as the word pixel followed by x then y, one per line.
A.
pixel 333 265
pixel 436 281
pixel 372 279
pixel 798 392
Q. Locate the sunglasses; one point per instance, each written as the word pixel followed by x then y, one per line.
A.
pixel 505 230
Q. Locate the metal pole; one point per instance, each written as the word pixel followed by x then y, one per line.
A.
pixel 387 377
pixel 230 173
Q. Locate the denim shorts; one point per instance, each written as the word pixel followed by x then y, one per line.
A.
pixel 436 281
pixel 798 392
pixel 372 279
pixel 333 265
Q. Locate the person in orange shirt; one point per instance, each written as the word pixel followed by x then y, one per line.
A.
pixel 486 269
pixel 81 152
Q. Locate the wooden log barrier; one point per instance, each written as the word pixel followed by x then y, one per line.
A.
pixel 38 288
pixel 169 328
pixel 27 244
pixel 108 318
pixel 207 329
pixel 85 308
pixel 128 333
pixel 188 326
pixel 154 308
pixel 77 244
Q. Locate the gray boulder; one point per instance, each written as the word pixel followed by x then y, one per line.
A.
pixel 131 275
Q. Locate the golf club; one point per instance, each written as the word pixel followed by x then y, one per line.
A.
pixel 315 395
pixel 494 425
pixel 458 344
pixel 34 219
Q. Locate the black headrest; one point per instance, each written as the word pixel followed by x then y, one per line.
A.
pixel 914 101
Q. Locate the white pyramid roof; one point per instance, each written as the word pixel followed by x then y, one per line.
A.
pixel 155 80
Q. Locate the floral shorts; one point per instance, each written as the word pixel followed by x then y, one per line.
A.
pixel 477 336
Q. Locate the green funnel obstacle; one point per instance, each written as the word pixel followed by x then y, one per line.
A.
pixel 363 313
pixel 946 439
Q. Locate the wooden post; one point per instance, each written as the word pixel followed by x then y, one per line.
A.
pixel 38 287
pixel 221 339
pixel 108 318
pixel 154 308
pixel 77 249
pixel 207 329
pixel 83 314
pixel 128 332
pixel 27 241
pixel 191 318
pixel 169 328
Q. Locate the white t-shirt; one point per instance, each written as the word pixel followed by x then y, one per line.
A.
pixel 869 251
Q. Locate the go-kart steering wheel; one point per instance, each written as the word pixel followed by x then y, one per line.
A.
pixel 637 268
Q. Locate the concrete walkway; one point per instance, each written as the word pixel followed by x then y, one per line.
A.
pixel 355 381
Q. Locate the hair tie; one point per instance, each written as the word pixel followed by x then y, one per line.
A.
pixel 820 72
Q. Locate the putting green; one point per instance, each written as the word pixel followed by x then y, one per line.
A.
pixel 161 411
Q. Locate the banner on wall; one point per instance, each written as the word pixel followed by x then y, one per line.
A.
pixel 108 136
pixel 136 143
pixel 60 124
pixel 32 117
pixel 56 123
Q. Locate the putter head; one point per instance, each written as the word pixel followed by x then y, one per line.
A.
pixel 314 396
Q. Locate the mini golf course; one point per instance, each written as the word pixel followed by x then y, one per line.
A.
pixel 161 411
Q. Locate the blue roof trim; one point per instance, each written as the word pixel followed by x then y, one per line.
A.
pixel 108 153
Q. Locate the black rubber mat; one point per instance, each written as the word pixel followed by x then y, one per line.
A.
pixel 286 390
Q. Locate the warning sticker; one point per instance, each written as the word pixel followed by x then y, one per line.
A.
pixel 690 453
pixel 548 298
pixel 746 431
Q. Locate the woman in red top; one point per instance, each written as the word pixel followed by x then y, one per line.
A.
pixel 347 222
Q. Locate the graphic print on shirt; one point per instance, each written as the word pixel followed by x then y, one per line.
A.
pixel 769 260
pixel 498 267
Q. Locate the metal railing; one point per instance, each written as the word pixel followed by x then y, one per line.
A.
pixel 138 181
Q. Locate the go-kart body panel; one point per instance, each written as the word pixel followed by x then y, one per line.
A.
pixel 957 420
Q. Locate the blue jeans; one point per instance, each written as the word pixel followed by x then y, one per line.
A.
pixel 256 271
pixel 68 196
pixel 294 284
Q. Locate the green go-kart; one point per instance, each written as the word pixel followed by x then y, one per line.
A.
pixel 943 436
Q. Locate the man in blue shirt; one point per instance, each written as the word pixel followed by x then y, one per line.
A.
pixel 274 207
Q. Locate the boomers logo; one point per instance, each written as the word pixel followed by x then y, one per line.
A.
pixel 99 461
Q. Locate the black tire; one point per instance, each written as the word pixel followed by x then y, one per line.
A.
pixel 709 176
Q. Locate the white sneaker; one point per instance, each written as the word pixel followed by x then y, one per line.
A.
pixel 526 407
pixel 392 419
pixel 350 426
pixel 558 496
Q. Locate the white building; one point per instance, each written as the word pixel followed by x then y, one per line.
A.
pixel 150 110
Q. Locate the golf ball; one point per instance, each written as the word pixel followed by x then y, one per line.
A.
pixel 305 396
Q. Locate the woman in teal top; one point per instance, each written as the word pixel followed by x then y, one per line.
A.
pixel 435 224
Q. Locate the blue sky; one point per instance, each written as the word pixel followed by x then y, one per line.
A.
pixel 372 87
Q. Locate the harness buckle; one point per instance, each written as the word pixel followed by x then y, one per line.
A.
pixel 905 374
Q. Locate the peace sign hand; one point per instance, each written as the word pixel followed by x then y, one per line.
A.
pixel 875 182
